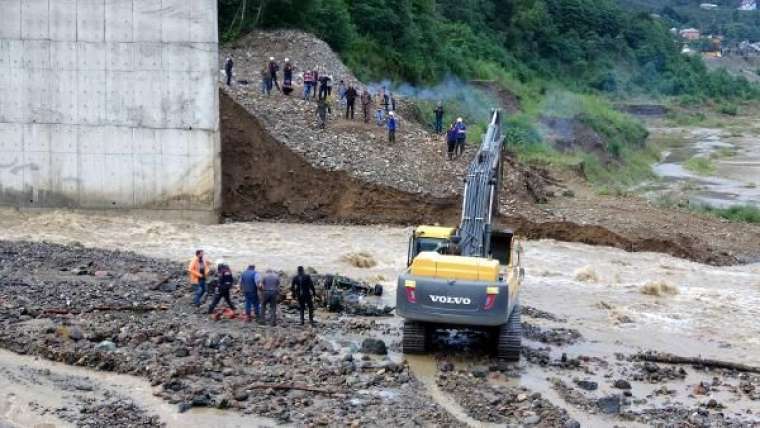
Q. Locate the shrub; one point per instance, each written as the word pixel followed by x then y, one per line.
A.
pixel 729 109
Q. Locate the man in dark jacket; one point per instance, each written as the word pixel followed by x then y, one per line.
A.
pixel 350 100
pixel 451 140
pixel 223 289
pixel 324 83
pixel 366 99
pixel 323 107
pixel 273 69
pixel 228 64
pixel 302 289
pixel 438 118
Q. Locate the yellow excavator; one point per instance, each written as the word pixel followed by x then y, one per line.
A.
pixel 467 277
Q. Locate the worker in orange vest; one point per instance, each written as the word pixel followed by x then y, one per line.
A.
pixel 198 271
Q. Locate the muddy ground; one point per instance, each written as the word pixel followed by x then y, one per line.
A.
pixel 131 314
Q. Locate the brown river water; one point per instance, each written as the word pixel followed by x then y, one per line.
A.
pixel 712 313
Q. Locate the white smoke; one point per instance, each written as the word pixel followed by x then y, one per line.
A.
pixel 462 97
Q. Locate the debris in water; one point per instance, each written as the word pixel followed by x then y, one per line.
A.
pixel 361 260
pixel 586 274
pixel 658 288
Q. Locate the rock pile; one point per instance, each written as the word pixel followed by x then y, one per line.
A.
pixel 415 163
pixel 124 322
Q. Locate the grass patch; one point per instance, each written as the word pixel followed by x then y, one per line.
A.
pixel 723 152
pixel 700 165
pixel 738 213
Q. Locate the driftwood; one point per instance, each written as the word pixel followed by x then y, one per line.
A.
pixel 696 361
pixel 291 386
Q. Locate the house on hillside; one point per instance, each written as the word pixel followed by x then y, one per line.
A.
pixel 748 5
pixel 689 34
pixel 708 6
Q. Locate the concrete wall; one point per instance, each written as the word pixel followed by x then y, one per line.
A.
pixel 109 104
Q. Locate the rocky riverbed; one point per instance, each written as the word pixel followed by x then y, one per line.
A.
pixel 119 312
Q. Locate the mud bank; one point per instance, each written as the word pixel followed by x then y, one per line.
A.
pixel 679 246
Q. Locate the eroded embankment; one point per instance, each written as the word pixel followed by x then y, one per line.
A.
pixel 262 178
pixel 683 246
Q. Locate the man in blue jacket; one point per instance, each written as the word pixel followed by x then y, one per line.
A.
pixel 392 126
pixel 249 281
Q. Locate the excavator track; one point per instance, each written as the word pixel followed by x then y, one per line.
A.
pixel 510 338
pixel 415 338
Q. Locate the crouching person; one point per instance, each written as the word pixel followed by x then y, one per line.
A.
pixel 226 281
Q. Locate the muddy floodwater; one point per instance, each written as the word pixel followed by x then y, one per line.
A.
pixel 734 156
pixel 620 302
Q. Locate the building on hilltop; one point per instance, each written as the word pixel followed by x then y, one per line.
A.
pixel 689 33
pixel 748 5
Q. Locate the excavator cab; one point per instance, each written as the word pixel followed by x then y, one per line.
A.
pixel 429 239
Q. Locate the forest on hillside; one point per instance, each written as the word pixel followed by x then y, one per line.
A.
pixel 582 45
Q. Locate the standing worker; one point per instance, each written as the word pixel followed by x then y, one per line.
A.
pixel 266 82
pixel 451 140
pixel 386 101
pixel 226 281
pixel 249 284
pixel 341 92
pixel 323 107
pixel 302 288
pixel 314 82
pixel 439 118
pixel 199 271
pixel 461 136
pixel 270 292
pixel 366 100
pixel 228 64
pixel 324 83
pixel 350 100
pixel 392 126
pixel 379 117
pixel 273 69
pixel 287 77
pixel 308 81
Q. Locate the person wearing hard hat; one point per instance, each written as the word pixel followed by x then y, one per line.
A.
pixel 461 136
pixel 287 77
pixel 273 69
pixel 392 124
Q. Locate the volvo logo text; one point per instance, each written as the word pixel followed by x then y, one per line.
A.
pixel 451 300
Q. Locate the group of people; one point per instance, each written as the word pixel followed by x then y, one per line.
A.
pixel 318 84
pixel 261 292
